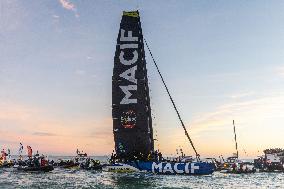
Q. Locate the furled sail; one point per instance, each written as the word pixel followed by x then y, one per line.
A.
pixel 131 112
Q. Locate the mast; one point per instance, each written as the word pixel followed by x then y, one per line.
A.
pixel 173 103
pixel 131 111
pixel 236 139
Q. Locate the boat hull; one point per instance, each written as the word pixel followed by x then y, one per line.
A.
pixel 120 168
pixel 238 171
pixel 35 169
pixel 193 168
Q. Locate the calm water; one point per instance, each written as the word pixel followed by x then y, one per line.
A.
pixel 59 178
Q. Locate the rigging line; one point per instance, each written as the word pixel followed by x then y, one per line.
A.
pixel 182 124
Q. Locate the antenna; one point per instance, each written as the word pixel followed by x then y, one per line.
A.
pixel 236 138
pixel 173 103
pixel 137 4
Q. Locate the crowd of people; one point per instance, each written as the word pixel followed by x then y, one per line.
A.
pixel 37 161
pixel 263 163
pixel 123 158
pixel 273 151
pixel 242 168
pixel 84 162
pixel 31 161
pixel 5 159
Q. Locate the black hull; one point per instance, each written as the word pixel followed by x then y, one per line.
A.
pixel 6 165
pixel 239 172
pixel 47 168
pixel 271 171
pixel 72 166
pixel 98 167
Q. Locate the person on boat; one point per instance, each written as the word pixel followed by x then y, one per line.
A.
pixel 160 156
pixel 9 155
pixel 198 157
pixel 21 148
pixel 4 155
pixel 241 167
pixel 21 162
pixel 149 157
pixel 113 158
pixel 30 151
pixel 86 163
pixel 43 161
pixel 234 166
pixel 92 163
pixel 156 157
pixel 96 162
pixel 36 162
pixel 29 162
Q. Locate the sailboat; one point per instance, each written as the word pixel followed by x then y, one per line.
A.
pixel 233 164
pixel 131 110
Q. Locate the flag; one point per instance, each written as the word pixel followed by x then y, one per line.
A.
pixel 30 151
pixel 21 148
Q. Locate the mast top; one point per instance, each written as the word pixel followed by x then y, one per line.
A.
pixel 131 13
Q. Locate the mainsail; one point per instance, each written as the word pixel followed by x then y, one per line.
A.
pixel 131 112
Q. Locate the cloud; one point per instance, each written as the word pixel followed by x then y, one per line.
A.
pixel 259 124
pixel 80 72
pixel 66 4
pixel 55 16
pixel 89 58
pixel 245 111
pixel 242 95
pixel 43 134
pixel 44 130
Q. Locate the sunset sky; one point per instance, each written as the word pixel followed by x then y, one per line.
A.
pixel 222 60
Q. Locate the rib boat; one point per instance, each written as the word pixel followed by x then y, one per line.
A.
pixel 46 168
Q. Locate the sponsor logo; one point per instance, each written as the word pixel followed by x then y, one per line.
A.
pixel 128 44
pixel 121 147
pixel 174 168
pixel 128 119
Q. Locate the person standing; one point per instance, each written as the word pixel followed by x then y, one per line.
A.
pixel 30 151
pixel 3 155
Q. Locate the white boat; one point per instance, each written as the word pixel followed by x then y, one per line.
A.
pixel 120 167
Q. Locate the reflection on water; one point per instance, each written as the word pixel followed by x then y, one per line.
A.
pixel 60 178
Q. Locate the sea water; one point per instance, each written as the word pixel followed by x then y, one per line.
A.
pixel 63 178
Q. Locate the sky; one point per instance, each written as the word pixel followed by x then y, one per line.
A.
pixel 222 61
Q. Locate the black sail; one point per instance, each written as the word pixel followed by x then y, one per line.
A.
pixel 131 112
